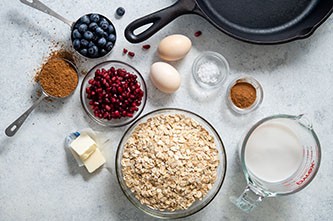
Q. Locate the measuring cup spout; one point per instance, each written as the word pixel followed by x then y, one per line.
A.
pixel 248 200
pixel 304 121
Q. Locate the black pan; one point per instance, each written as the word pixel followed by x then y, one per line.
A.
pixel 254 21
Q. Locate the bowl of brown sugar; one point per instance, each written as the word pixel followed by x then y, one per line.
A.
pixel 244 95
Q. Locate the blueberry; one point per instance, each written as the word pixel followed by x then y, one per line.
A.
pixel 93 26
pixel 76 34
pixel 83 28
pixel 109 46
pixel 76 44
pixel 84 51
pixel 112 38
pixel 91 44
pixel 88 35
pixel 94 17
pixel 84 43
pixel 105 34
pixel 95 38
pixel 99 31
pixel 104 24
pixel 101 42
pixel 93 51
pixel 103 52
pixel 111 29
pixel 120 11
pixel 85 19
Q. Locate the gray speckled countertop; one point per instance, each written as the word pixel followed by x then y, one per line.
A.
pixel 39 180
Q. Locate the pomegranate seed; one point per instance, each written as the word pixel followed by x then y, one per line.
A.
pixel 114 93
pixel 125 51
pixel 131 54
pixel 146 47
pixel 197 34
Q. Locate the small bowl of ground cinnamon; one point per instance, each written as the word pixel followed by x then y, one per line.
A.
pixel 244 95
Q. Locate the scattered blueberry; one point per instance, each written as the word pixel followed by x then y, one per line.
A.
pixel 84 42
pixel 93 51
pixel 109 46
pixel 84 51
pixel 76 44
pixel 83 28
pixel 111 29
pixel 76 34
pixel 99 31
pixel 93 26
pixel 85 19
pixel 101 42
pixel 88 35
pixel 120 11
pixel 94 17
pixel 112 38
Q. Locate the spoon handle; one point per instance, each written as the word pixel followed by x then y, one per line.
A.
pixel 13 128
pixel 36 4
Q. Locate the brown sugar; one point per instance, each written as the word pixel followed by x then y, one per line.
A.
pixel 58 78
pixel 243 94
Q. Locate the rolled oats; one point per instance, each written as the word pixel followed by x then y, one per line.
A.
pixel 169 162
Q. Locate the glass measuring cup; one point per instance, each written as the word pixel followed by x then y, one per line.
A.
pixel 265 181
pixel 15 126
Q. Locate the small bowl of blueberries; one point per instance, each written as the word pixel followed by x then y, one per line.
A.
pixel 93 36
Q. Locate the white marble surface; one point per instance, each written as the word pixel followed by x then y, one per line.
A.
pixel 39 180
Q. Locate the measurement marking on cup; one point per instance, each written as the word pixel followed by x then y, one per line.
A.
pixel 307 174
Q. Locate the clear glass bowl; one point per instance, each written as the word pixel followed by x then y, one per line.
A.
pixel 210 61
pixel 197 205
pixel 85 101
pixel 259 94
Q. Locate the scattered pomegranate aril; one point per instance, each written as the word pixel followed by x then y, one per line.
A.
pixel 125 51
pixel 198 33
pixel 146 47
pixel 131 54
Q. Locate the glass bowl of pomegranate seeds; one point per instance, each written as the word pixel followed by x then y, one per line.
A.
pixel 113 93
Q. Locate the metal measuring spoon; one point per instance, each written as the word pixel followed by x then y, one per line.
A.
pixel 15 126
pixel 43 8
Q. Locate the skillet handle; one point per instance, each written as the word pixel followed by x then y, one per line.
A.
pixel 158 20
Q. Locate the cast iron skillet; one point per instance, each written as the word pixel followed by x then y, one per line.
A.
pixel 254 21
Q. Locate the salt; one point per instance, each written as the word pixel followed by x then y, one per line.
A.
pixel 209 72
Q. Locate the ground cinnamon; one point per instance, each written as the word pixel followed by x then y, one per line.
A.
pixel 243 94
pixel 58 78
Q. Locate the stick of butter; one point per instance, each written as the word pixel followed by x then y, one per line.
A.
pixel 84 146
pixel 94 161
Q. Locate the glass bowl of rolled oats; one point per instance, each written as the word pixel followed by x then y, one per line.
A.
pixel 171 163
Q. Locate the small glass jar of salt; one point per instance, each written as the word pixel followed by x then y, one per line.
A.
pixel 210 69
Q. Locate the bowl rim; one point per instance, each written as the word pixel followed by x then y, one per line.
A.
pixel 143 101
pixel 224 156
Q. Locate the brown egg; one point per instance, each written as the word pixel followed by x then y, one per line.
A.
pixel 174 47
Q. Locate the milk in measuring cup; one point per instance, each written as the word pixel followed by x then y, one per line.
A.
pixel 273 152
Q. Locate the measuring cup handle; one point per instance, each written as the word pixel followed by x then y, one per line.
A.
pixel 43 8
pixel 248 200
pixel 13 128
